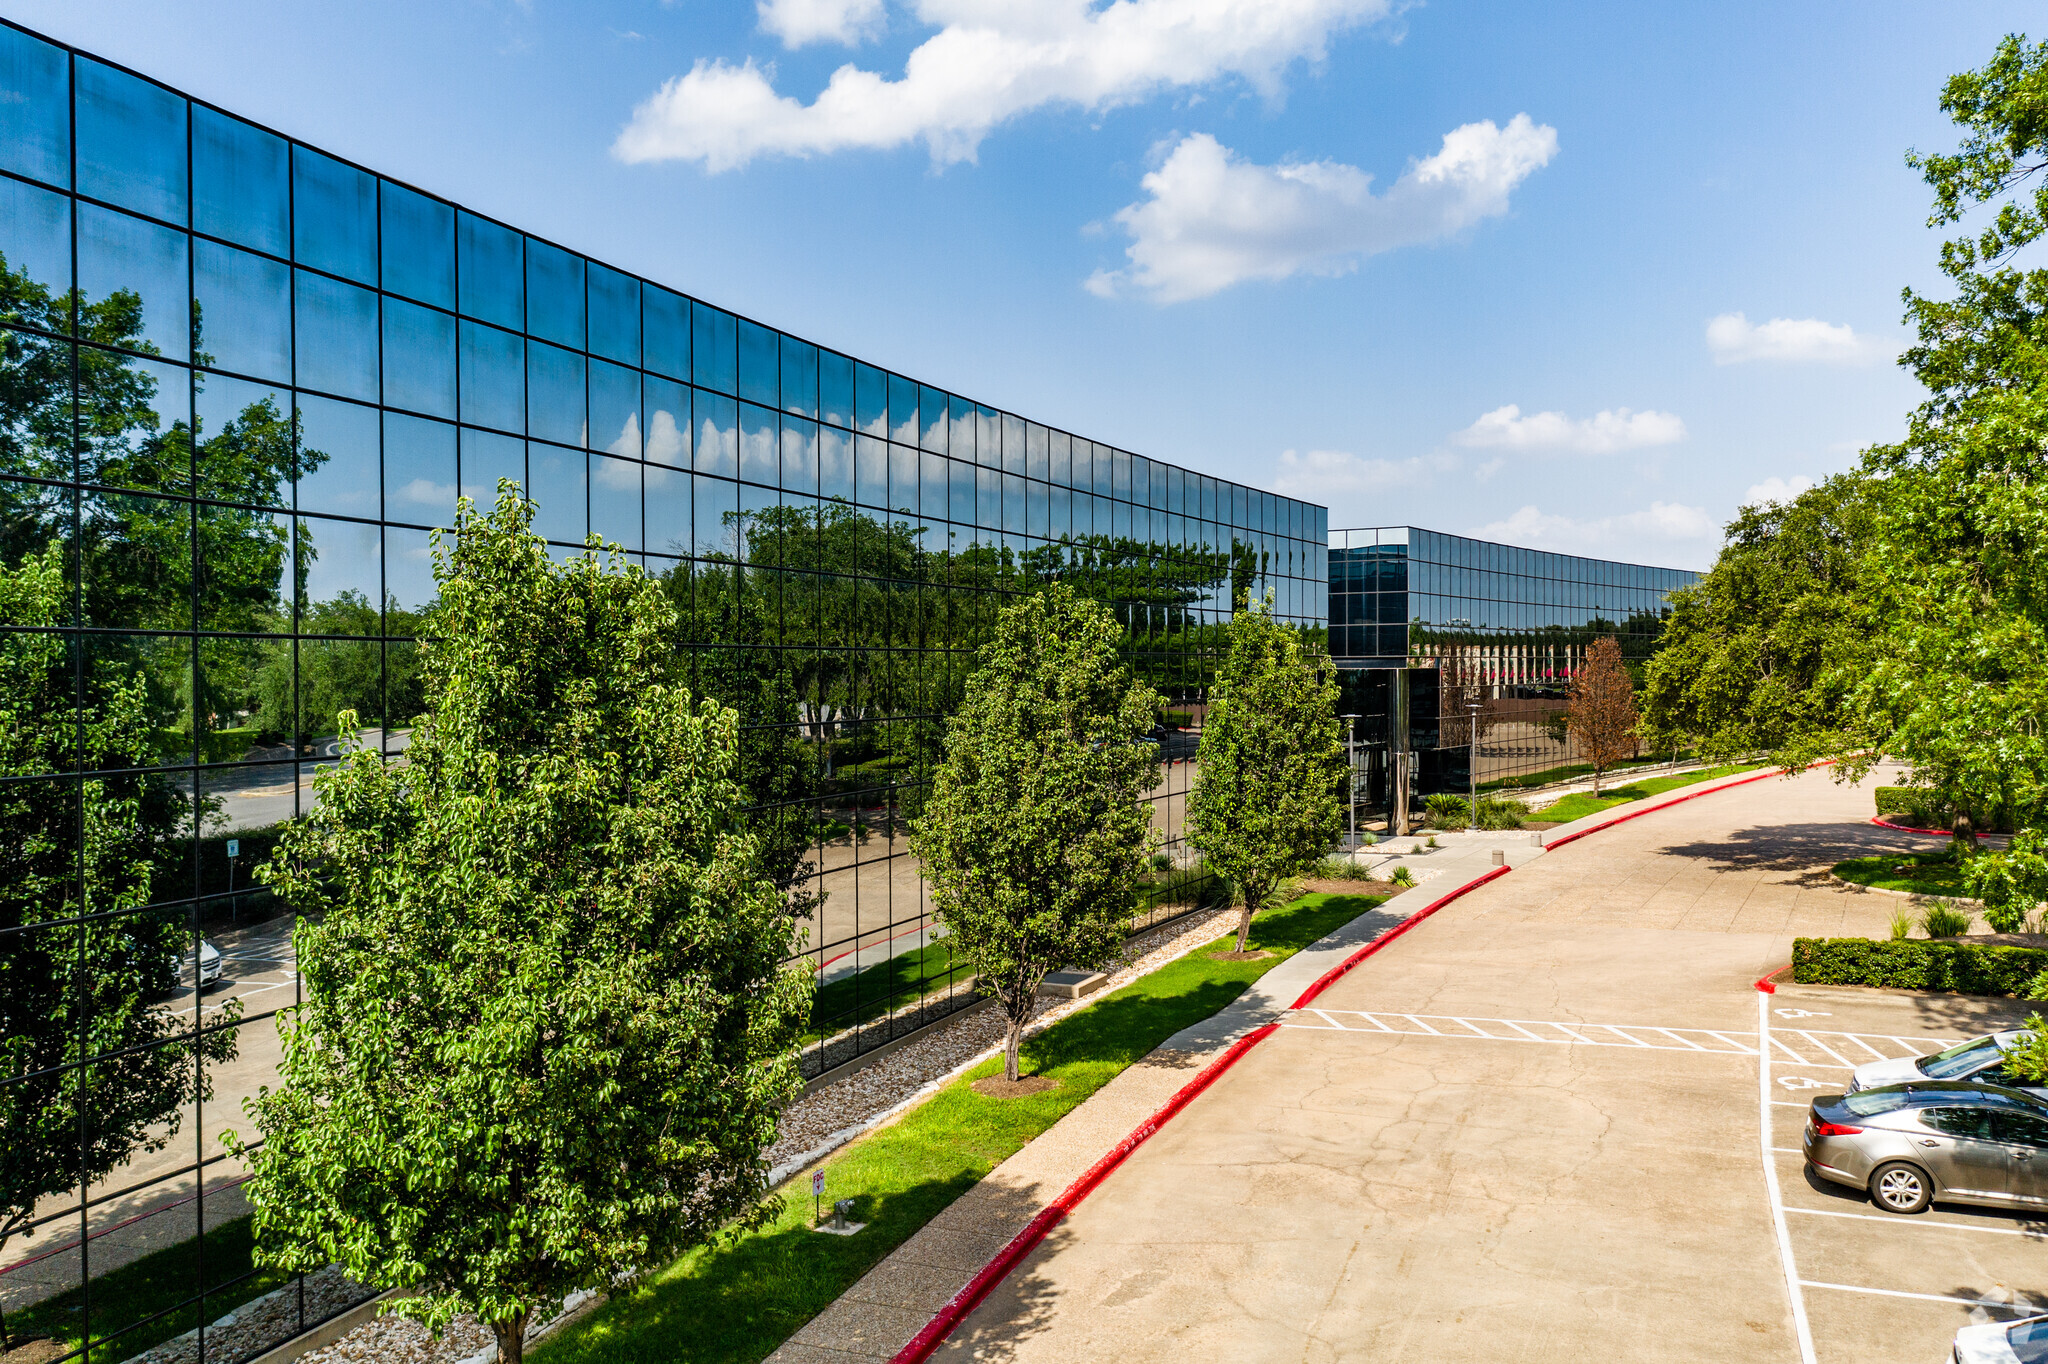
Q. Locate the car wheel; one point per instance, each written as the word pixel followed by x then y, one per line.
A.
pixel 1900 1187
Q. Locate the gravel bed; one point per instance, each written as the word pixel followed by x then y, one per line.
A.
pixel 818 1122
pixel 264 1322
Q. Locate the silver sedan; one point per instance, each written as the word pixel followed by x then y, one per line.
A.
pixel 1908 1145
pixel 1980 1058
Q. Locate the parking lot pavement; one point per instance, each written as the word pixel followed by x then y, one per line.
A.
pixel 1540 1127
pixel 1865 1275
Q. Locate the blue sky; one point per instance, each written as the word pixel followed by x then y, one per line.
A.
pixel 1457 265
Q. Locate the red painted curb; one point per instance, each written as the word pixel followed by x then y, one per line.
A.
pixel 1881 822
pixel 1763 982
pixel 1024 1242
pixel 1665 805
pixel 1335 973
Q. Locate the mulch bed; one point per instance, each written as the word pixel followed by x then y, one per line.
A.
pixel 996 1087
pixel 1258 954
pixel 1323 887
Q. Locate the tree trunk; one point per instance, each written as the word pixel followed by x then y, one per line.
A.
pixel 1964 836
pixel 1254 896
pixel 1011 1046
pixel 1596 783
pixel 511 1335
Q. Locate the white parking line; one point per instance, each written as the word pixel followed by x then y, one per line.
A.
pixel 1793 1291
pixel 1914 1224
pixel 1634 1036
pixel 2018 1305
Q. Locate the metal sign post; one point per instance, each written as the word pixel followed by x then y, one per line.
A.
pixel 1472 766
pixel 818 1193
pixel 1351 780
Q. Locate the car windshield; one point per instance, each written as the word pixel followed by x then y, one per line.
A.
pixel 2029 1341
pixel 1961 1059
pixel 1871 1102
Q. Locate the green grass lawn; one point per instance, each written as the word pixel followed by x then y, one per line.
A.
pixel 1583 804
pixel 1568 772
pixel 735 1302
pixel 158 1282
pixel 1925 873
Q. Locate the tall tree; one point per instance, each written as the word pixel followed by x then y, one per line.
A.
pixel 97 1066
pixel 1269 761
pixel 1035 833
pixel 1955 574
pixel 547 1029
pixel 1758 652
pixel 1603 712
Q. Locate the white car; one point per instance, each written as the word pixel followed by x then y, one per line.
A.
pixel 209 965
pixel 2003 1342
pixel 1980 1059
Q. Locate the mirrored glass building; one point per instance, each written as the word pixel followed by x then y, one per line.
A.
pixel 1431 629
pixel 241 382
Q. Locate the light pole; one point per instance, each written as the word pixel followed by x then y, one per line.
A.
pixel 1351 781
pixel 1472 767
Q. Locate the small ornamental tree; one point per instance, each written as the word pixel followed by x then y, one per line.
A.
pixel 547 1028
pixel 1035 834
pixel 1269 762
pixel 1603 713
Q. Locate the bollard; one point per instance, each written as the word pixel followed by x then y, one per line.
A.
pixel 1500 857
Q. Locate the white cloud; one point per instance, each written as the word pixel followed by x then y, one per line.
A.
pixel 1775 489
pixel 1213 220
pixel 1600 434
pixel 1321 475
pixel 990 61
pixel 427 493
pixel 1733 339
pixel 1668 526
pixel 797 22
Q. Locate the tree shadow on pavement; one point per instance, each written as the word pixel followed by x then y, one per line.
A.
pixel 1806 851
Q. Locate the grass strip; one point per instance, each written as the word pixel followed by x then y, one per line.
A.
pixel 736 1301
pixel 1584 803
pixel 872 991
pixel 1921 873
pixel 158 1281
pixel 1550 775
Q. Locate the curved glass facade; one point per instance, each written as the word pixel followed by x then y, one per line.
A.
pixel 241 382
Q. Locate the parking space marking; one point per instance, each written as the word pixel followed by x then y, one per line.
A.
pixel 2017 1305
pixel 1633 1036
pixel 1793 1292
pixel 1907 1047
pixel 1914 1223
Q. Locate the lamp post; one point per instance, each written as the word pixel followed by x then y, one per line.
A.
pixel 1351 781
pixel 1472 767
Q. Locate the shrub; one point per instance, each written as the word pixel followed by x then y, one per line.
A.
pixel 2037 988
pixel 1902 924
pixel 1944 920
pixel 1918 964
pixel 1402 877
pixel 1338 869
pixel 1446 811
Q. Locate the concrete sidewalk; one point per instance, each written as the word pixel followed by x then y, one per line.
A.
pixel 879 1315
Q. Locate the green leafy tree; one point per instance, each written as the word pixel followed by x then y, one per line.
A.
pixel 1035 835
pixel 547 1030
pixel 1954 579
pixel 1757 654
pixel 2012 882
pixel 98 1067
pixel 1269 762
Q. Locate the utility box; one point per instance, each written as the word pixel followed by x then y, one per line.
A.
pixel 1072 984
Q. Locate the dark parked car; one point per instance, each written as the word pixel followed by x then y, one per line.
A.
pixel 1909 1145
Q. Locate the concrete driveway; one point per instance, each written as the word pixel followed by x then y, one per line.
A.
pixel 1533 1129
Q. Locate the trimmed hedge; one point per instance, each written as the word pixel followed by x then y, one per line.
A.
pixel 1917 806
pixel 1917 964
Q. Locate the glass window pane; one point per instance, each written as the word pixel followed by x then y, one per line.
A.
pixel 902 410
pixel 963 477
pixel 615 501
pixel 835 388
pixel 870 401
pixel 1014 444
pixel 668 421
pixel 961 440
pixel 714 357
pixel 419 471
pixel 120 254
pixel 758 364
pixel 245 441
pixel 933 487
pixel 758 459
pixel 718 434
pixel 554 394
pixel 615 409
pixel 561 503
pixel 409 586
pixel 799 455
pixel 140 439
pixel 614 314
pixel 337 337
pixel 716 515
pixel 871 471
pixel 334 216
pixel 835 463
pixel 341 566
pixel 35 118
pixel 488 459
pixel 131 142
pixel 1061 447
pixel 491 271
pixel 240 182
pixel 419 359
pixel 1013 505
pixel 493 377
pixel 418 246
pixel 799 377
pixel 35 427
pixel 241 311
pixel 338 459
pixel 243 557
pixel 903 460
pixel 931 411
pixel 136 561
pixel 554 293
pixel 665 317
pixel 666 499
pixel 38 248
